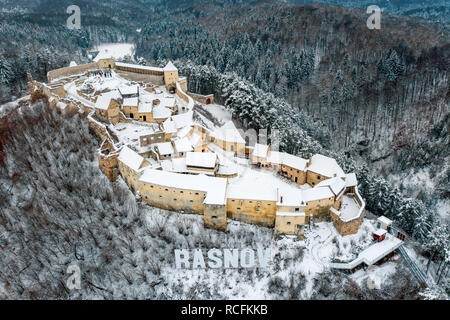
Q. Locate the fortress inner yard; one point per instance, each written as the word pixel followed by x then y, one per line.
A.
pixel 175 158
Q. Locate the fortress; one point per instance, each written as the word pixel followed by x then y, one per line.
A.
pixel 172 158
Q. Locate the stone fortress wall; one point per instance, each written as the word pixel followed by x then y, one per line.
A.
pixel 263 212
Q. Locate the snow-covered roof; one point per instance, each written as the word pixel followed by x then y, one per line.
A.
pixel 103 54
pixel 169 126
pixel 287 159
pixel 170 67
pixel 130 158
pixel 350 180
pixel 260 150
pixel 228 132
pixel 326 166
pixel 293 161
pixel 251 191
pixel 350 209
pixel 165 101
pixel 182 145
pixel 164 148
pixel 379 250
pixel 137 66
pixel 385 220
pixel 196 140
pixel 128 90
pixel 103 102
pixel 290 214
pixel 114 94
pixel 380 232
pixel 214 187
pixel 201 159
pixel 130 102
pixel 335 184
pixel 61 105
pixel 290 198
pixel 183 132
pixel 275 157
pixel 317 194
pixel 183 120
pixel 174 165
pixel 145 107
pixel 161 112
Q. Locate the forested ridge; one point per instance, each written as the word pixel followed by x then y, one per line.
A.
pixel 375 94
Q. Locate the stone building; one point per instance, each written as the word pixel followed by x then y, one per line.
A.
pixel 107 109
pixel 252 204
pixel 321 168
pixel 229 138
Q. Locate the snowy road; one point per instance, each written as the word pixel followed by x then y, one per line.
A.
pixel 321 242
pixel 72 92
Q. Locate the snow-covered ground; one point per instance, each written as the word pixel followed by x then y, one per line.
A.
pixel 99 84
pixel 8 107
pixel 308 258
pixel 129 133
pixel 115 50
pixel 349 208
pixel 374 276
pixel 219 112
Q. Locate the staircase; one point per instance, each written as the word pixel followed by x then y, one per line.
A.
pixel 418 273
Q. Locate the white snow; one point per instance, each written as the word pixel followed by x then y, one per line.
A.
pixel 384 220
pixel 130 102
pixel 290 214
pixel 138 66
pixel 260 150
pixel 219 112
pixel 201 159
pixel 336 185
pixel 326 166
pixel 164 148
pixel 103 102
pixel 170 67
pixel 287 159
pixel 61 105
pixel 169 126
pixel 380 249
pixel 116 51
pixel 182 145
pixel 215 187
pixel 228 132
pixel 130 158
pixel 317 194
pixel 290 198
pixel 374 276
pixel 161 112
pixel 183 120
pixel 350 180
pixel 293 161
pixel 129 133
pixel 145 107
pixel 129 90
pixel 380 232
pixel 349 208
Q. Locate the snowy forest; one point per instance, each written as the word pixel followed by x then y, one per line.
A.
pixel 375 100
